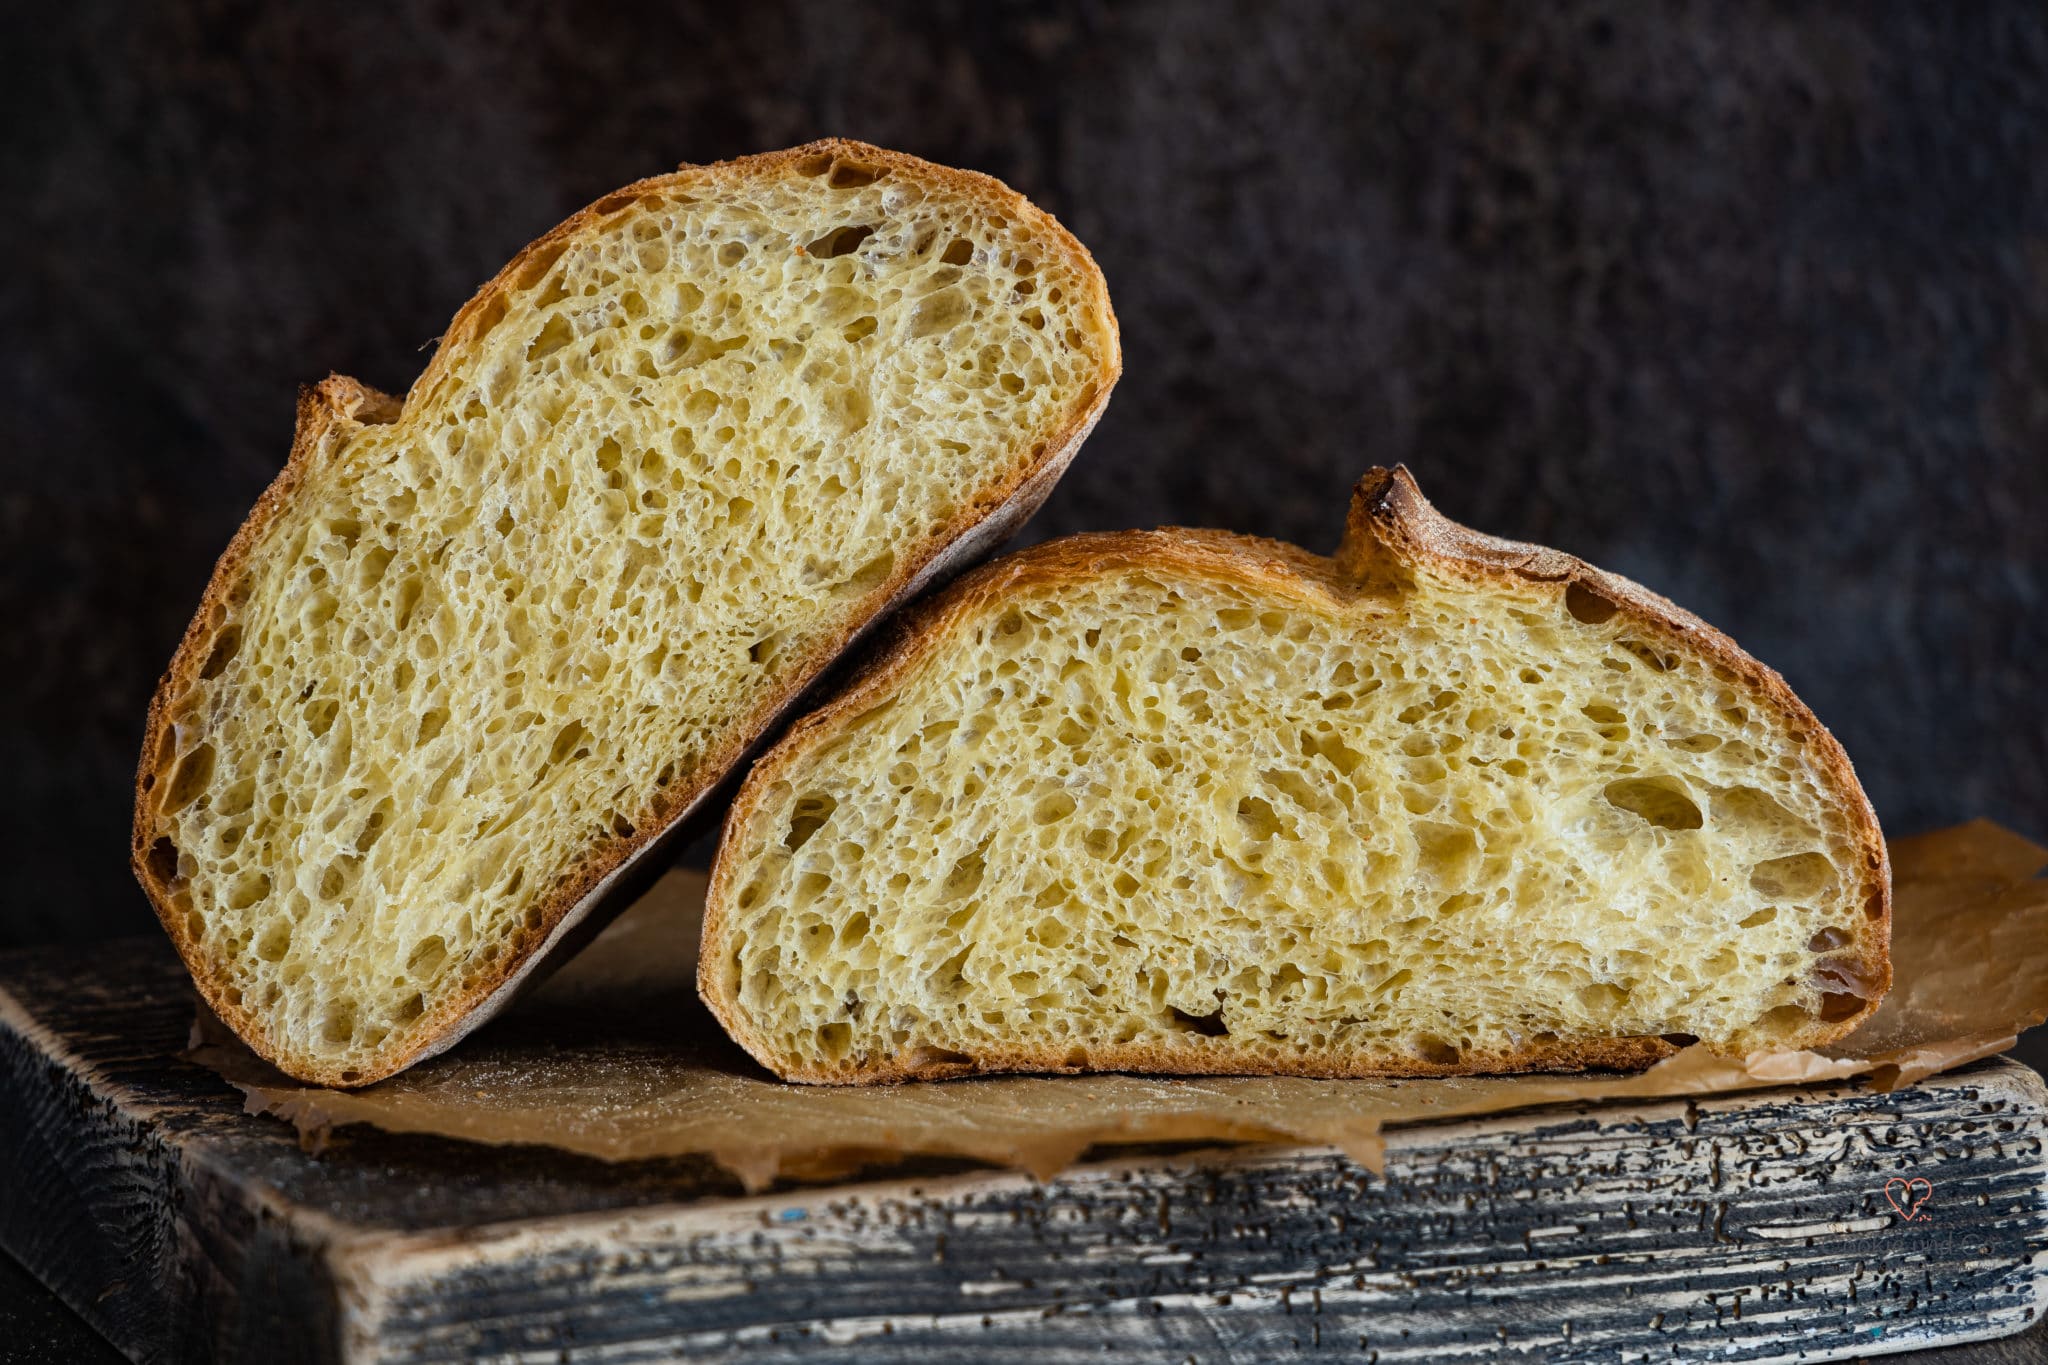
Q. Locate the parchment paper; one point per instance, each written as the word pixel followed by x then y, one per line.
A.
pixel 614 1057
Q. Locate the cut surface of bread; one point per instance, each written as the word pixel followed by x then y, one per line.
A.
pixel 474 652
pixel 1191 802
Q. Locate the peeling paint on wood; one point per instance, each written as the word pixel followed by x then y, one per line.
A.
pixel 1751 1227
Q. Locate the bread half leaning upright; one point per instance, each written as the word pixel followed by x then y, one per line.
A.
pixel 475 652
pixel 1193 802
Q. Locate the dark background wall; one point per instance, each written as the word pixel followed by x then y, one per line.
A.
pixel 1749 302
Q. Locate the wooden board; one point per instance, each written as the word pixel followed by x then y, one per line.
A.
pixel 1752 1227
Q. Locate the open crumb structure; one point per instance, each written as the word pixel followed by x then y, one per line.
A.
pixel 472 653
pixel 1183 801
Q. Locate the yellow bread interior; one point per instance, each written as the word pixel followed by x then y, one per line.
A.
pixel 1160 803
pixel 472 653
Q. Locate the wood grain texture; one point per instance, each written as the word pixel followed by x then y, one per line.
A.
pixel 1751 1227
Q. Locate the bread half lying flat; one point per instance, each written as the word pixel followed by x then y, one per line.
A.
pixel 1185 801
pixel 473 653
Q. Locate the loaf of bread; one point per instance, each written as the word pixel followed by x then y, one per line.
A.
pixel 1191 802
pixel 474 653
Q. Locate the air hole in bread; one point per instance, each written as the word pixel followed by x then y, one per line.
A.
pixel 965 877
pixel 1662 801
pixel 190 778
pixel 339 1024
pixel 163 861
pixel 554 334
pixel 1052 809
pixel 538 261
pixel 1588 605
pixel 938 313
pixel 430 725
pixel 333 880
pixel 406 601
pixel 848 175
pixel 868 576
pixel 223 652
pixel 959 251
pixel 426 957
pixel 487 317
pixel 275 941
pixel 1436 1051
pixel 1260 820
pixel 1394 983
pixel 1796 876
pixel 1758 815
pixel 1786 1018
pixel 1209 1025
pixel 320 714
pixel 1604 997
pixel 840 241
pixel 570 744
pixel 1828 939
pixel 1607 718
pixel 1446 855
pixel 1659 661
pixel 835 1039
pixel 1849 974
pixel 812 811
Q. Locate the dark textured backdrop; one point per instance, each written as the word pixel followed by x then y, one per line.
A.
pixel 1749 302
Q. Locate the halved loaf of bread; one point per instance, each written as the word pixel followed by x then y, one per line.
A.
pixel 1192 802
pixel 474 653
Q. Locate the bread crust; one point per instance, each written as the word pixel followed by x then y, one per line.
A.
pixel 577 906
pixel 1390 530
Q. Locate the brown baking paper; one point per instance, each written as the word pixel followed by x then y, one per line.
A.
pixel 614 1057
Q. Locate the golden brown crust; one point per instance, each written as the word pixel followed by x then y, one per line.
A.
pixel 326 412
pixel 1391 528
pixel 338 405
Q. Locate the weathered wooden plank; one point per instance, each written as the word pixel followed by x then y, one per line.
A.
pixel 183 1229
pixel 1748 1227
pixel 1721 1227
